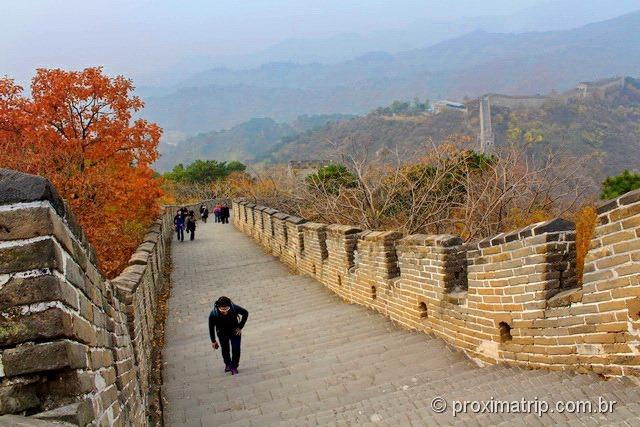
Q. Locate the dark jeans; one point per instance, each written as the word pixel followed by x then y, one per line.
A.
pixel 234 340
pixel 217 217
pixel 193 234
pixel 180 232
pixel 225 220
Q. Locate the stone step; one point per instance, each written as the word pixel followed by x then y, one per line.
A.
pixel 310 358
pixel 332 363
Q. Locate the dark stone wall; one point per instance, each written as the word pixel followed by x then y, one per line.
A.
pixel 74 347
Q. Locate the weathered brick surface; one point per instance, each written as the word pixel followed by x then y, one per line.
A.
pixel 510 298
pixel 313 255
pixel 602 320
pixel 293 252
pixel 279 242
pixel 341 243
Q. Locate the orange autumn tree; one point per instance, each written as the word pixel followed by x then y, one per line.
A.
pixel 77 129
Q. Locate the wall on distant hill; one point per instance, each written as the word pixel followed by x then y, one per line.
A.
pixel 511 298
pixel 517 101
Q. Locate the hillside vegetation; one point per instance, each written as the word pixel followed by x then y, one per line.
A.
pixel 608 128
pixel 244 142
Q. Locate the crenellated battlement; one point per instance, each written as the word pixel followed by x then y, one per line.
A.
pixel 512 298
pixel 77 347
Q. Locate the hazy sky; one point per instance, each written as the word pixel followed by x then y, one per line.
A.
pixel 134 36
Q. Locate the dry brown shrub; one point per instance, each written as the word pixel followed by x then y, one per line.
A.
pixel 178 193
pixel 439 189
pixel 585 218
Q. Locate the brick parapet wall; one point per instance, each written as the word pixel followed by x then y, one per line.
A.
pixel 605 313
pixel 269 230
pixel 280 236
pixel 250 218
pixel 293 254
pixel 512 298
pixel 73 345
pixel 375 265
pixel 258 229
pixel 311 262
pixel 339 267
pixel 428 265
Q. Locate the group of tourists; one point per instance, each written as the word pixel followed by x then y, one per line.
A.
pixel 185 219
pixel 221 213
pixel 227 319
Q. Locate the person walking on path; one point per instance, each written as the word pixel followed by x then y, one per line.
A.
pixel 216 211
pixel 191 224
pixel 179 224
pixel 224 214
pixel 204 213
pixel 223 319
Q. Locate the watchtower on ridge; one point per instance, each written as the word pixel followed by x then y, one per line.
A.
pixel 486 137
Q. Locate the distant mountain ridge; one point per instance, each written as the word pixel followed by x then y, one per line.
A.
pixel 549 15
pixel 475 63
pixel 244 142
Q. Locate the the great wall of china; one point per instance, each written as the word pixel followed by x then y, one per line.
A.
pixel 486 138
pixel 512 298
pixel 74 347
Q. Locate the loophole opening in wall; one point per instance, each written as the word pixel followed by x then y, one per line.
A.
pixel 373 293
pixel 633 308
pixel 423 310
pixel 505 332
pixel 339 280
pixel 314 269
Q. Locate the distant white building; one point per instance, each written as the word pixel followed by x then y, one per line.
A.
pixel 445 105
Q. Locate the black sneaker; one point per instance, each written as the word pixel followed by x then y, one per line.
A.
pixel 227 368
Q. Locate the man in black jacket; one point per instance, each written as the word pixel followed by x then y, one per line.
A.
pixel 224 214
pixel 224 320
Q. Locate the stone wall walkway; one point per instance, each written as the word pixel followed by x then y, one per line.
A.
pixel 310 359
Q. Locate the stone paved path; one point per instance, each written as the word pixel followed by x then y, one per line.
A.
pixel 310 359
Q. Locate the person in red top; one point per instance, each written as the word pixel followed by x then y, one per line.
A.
pixel 216 211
